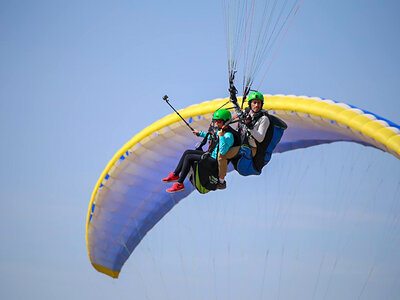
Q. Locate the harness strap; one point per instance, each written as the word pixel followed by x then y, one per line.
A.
pixel 214 142
pixel 203 142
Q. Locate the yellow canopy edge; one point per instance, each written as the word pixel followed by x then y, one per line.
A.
pixel 111 273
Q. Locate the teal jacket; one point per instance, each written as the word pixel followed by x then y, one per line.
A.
pixel 225 142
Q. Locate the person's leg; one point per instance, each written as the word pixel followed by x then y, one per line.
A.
pixel 187 162
pixel 223 160
pixel 174 176
pixel 223 165
pixel 178 168
pixel 253 151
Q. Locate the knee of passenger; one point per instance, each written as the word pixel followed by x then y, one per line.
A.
pixel 221 157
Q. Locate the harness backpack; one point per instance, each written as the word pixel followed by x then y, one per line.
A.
pixel 244 163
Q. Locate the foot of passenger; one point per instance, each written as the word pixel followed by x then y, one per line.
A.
pixel 176 187
pixel 221 185
pixel 170 178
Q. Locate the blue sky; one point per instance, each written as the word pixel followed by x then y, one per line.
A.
pixel 79 79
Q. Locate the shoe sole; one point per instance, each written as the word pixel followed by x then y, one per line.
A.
pixel 221 187
pixel 172 192
pixel 175 180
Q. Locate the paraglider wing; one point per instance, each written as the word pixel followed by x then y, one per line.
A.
pixel 129 197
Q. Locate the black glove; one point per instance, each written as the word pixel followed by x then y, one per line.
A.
pixel 232 89
pixel 249 123
pixel 232 93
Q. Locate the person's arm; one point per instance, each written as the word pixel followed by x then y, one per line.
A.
pixel 199 133
pixel 225 142
pixel 260 129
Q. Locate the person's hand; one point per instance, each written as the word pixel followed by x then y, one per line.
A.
pixel 232 90
pixel 196 132
pixel 249 123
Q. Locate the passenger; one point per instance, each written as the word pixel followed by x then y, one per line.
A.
pixel 219 144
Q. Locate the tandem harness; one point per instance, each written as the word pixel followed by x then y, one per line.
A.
pixel 247 165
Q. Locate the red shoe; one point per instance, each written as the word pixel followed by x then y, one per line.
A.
pixel 176 187
pixel 170 178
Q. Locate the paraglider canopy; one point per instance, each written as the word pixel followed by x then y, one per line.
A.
pixel 129 197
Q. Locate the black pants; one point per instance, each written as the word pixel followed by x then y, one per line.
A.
pixel 188 157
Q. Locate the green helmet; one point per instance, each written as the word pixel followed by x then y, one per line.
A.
pixel 222 114
pixel 255 96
